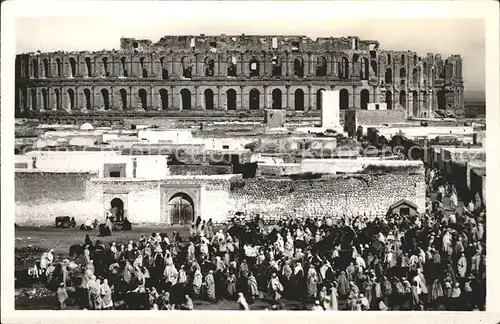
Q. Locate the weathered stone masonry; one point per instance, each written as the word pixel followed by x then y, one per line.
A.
pixel 225 73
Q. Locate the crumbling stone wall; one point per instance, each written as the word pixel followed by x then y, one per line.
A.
pixel 144 76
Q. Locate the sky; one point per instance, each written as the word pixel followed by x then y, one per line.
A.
pixel 423 35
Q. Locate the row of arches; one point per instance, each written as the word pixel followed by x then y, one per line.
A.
pixel 402 59
pixel 230 99
pixel 71 99
pixel 254 66
pixel 415 75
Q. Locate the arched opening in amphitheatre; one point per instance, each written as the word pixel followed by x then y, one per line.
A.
pixel 254 99
pixel 231 99
pixel 123 95
pixel 45 99
pixel 344 99
pixel 365 98
pixel 321 66
pixel 143 96
pixel 298 67
pixel 388 99
pixel 276 66
pixel 209 67
pixel 88 65
pixel 276 97
pixel 186 99
pixel 209 99
pixel 299 100
pixel 254 67
pixel 88 101
pixel 71 97
pixel 402 99
pixel 105 98
pixel 164 99
pixel 319 99
pixel 72 67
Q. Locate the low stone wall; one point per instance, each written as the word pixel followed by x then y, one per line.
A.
pixel 278 169
pixel 189 169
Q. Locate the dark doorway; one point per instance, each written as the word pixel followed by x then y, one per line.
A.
pixel 402 99
pixel 105 66
pixel 164 71
pixel 276 63
pixel 231 99
pixel 35 69
pixel 210 66
pixel 365 69
pixel 276 99
pixel 388 76
pixel 143 68
pixel 254 67
pixel 105 98
pixel 344 99
pixel 88 64
pixel 71 97
pixel 209 99
pixel 231 67
pixel 117 209
pixel 365 98
pixel 58 67
pixel 144 98
pixel 441 100
pixel 58 99
pixel 319 99
pixel 88 102
pixel 46 70
pixel 124 67
pixel 72 67
pixel 345 68
pixel 45 99
pixel 181 209
pixel 164 99
pixel 388 99
pixel 254 99
pixel 414 96
pixel 186 99
pixel 321 66
pixel 298 67
pixel 299 99
pixel 123 94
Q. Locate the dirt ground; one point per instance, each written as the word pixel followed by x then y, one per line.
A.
pixel 32 242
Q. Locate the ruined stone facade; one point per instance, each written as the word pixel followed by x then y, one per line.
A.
pixel 214 75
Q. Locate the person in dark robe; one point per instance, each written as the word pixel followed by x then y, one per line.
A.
pixel 88 242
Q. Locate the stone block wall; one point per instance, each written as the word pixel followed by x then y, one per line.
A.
pixel 41 196
pixel 370 194
pixel 189 169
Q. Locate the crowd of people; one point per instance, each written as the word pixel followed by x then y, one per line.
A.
pixel 432 261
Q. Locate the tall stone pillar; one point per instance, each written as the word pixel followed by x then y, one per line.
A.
pixel 306 66
pixel 220 104
pixel 287 106
pixel 242 104
pixel 310 98
pixel 171 104
pixel 266 97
